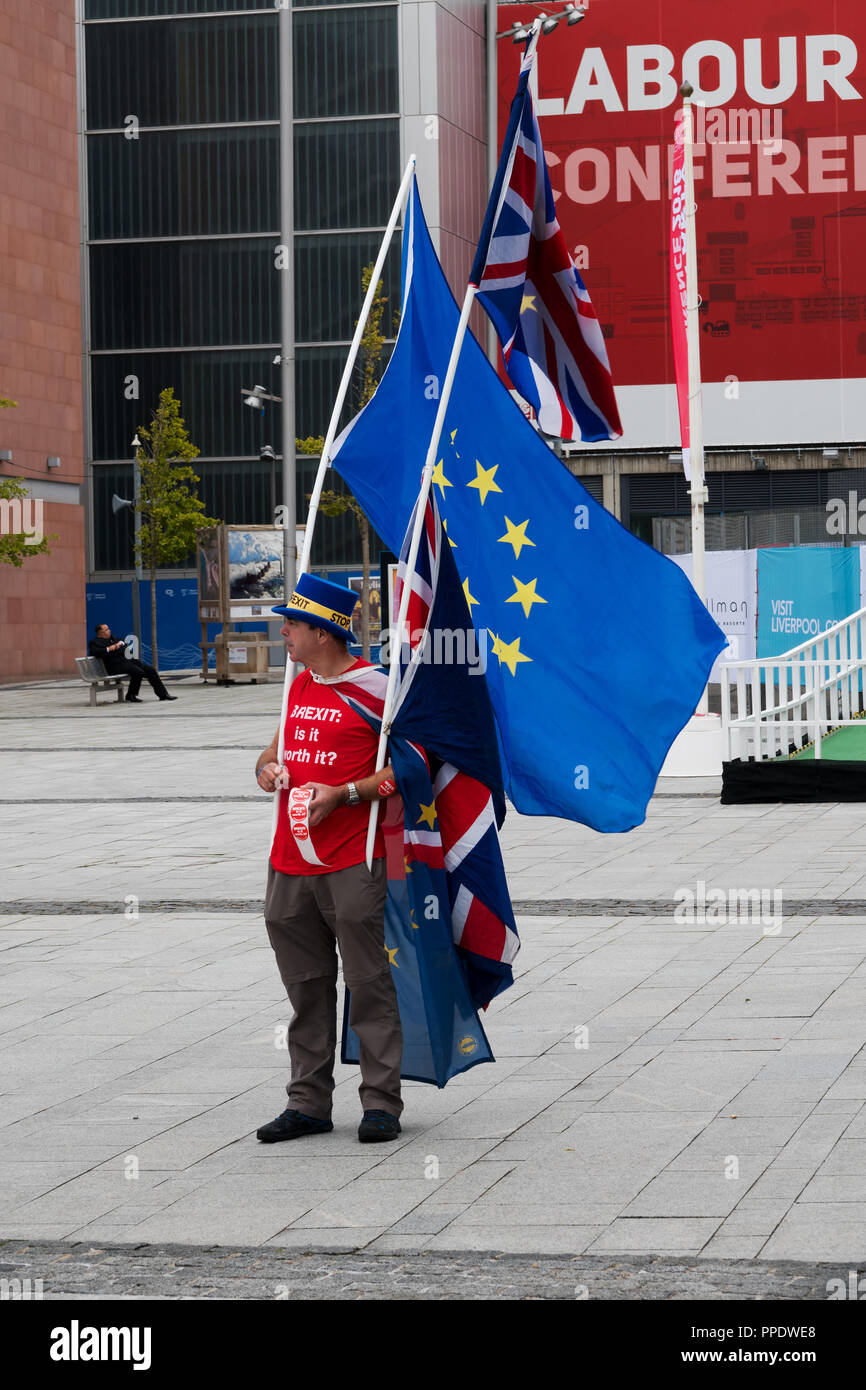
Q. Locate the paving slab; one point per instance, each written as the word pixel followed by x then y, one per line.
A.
pixel 141 1017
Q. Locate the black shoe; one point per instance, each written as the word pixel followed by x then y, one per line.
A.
pixel 168 697
pixel 378 1125
pixel 291 1125
pixel 133 700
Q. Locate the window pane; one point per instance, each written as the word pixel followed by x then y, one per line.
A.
pixel 130 9
pixel 346 175
pixel 336 540
pixel 184 183
pixel 177 294
pixel 113 534
pixel 183 72
pixel 239 492
pixel 346 62
pixel 328 293
pixel 317 377
pixel 208 386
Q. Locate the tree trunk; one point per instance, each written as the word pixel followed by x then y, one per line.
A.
pixel 154 659
pixel 365 586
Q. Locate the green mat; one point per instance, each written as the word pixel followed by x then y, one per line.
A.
pixel 846 745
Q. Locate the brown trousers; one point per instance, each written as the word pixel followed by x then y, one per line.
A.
pixel 307 916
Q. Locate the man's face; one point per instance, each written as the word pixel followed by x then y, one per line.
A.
pixel 303 642
pixel 103 631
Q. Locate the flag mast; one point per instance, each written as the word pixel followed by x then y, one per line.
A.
pixel 325 460
pixel 397 628
pixel 697 483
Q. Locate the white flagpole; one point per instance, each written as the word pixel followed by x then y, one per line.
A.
pixel 325 460
pixel 397 628
pixel 697 487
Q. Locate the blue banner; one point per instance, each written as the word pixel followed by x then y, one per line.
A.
pixel 802 591
pixel 178 628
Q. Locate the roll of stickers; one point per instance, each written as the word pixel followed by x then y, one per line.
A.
pixel 299 823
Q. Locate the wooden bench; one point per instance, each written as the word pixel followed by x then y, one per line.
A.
pixel 93 673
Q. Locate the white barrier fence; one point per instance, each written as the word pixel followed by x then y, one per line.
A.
pixel 774 704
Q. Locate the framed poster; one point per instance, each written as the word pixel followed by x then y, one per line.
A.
pixel 208 565
pixel 374 605
pixel 255 565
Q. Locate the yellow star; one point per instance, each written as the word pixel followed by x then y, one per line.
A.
pixel 406 865
pixel 412 922
pixel 483 480
pixel 509 653
pixel 428 814
pixel 516 536
pixel 453 436
pixel 453 544
pixel 525 594
pixel 439 478
pixel 392 951
pixel 528 302
pixel 469 599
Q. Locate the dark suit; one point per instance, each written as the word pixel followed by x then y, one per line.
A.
pixel 119 664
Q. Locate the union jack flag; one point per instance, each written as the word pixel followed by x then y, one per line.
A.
pixel 451 710
pixel 552 343
pixel 448 918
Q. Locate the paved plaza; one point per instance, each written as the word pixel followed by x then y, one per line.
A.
pixel 680 1073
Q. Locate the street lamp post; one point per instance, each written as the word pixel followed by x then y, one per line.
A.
pixel 117 505
pixel 287 296
pixel 136 513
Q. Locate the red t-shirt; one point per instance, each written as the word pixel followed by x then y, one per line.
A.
pixel 327 742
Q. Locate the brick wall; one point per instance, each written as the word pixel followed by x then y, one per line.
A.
pixel 42 605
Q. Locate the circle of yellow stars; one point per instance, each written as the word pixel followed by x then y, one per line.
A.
pixel 516 535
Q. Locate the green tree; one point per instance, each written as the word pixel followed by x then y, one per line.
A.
pixel 338 503
pixel 14 549
pixel 170 508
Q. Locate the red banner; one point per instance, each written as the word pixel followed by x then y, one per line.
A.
pixel 780 179
pixel 678 253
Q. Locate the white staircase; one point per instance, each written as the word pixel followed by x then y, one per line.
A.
pixel 797 697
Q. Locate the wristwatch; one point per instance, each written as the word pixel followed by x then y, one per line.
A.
pixel 354 798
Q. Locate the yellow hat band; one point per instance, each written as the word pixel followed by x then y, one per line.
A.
pixel 308 605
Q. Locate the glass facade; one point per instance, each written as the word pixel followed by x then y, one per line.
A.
pixel 184 183
pixel 182 225
pixel 745 509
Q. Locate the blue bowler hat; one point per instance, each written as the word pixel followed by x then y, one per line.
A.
pixel 322 604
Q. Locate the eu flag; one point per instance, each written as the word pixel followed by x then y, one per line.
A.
pixel 597 647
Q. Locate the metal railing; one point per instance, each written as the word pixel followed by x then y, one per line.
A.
pixel 777 705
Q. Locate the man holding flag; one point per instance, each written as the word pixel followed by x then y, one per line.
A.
pixel 320 891
pixel 429 939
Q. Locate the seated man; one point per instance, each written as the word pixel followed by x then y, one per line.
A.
pixel 111 651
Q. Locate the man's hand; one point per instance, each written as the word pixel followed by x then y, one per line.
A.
pixel 323 801
pixel 271 776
